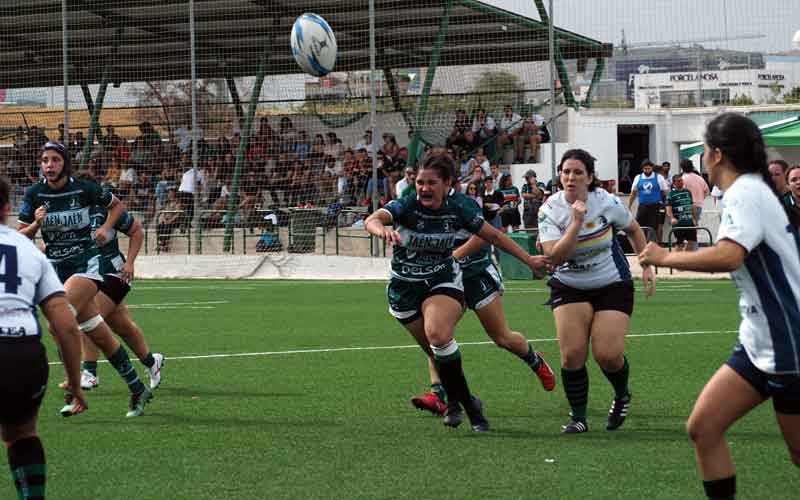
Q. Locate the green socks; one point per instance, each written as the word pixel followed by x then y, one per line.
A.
pixel 576 387
pixel 120 361
pixel 28 468
pixel 531 358
pixel 438 389
pixel 619 380
pixel 148 360
pixel 91 367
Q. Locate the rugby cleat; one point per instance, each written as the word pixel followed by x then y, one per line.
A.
pixel 475 414
pixel 452 416
pixel 155 371
pixel 138 402
pixel 545 374
pixel 618 412
pixel 89 381
pixel 429 401
pixel 71 406
pixel 574 427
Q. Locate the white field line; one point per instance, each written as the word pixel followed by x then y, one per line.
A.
pixel 398 347
pixel 179 305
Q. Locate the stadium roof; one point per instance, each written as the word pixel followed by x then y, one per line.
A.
pixel 233 34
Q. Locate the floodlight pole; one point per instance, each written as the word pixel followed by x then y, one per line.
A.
pixel 436 52
pixel 552 46
pixel 197 181
pixel 373 106
pixel 65 67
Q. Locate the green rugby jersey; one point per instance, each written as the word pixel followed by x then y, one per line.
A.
pixel 511 196
pixel 681 202
pixel 428 237
pixel 473 264
pixel 67 228
pixel 110 251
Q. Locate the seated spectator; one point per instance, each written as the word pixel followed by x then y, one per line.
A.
pixel 302 147
pixel 366 144
pixel 509 210
pixel 483 132
pixel 113 174
pixel 511 132
pixel 535 132
pixel 128 177
pixel 250 199
pixel 458 134
pixel 168 219
pixel 472 191
pixel 318 146
pixel 333 146
pixel 287 135
pixel 406 184
pixel 390 147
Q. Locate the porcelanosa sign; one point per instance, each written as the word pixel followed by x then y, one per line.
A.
pixel 692 77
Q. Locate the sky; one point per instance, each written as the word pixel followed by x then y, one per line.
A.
pixel 646 21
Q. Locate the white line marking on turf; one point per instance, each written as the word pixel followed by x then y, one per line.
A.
pixel 398 347
pixel 180 305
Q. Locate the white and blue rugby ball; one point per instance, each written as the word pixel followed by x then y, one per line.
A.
pixel 313 45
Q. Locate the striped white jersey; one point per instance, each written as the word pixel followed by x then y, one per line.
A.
pixel 598 260
pixel 26 279
pixel 769 280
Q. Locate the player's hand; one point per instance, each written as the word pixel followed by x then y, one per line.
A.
pixel 649 279
pixel 126 273
pixel 673 221
pixel 101 236
pixel 653 254
pixel 39 215
pixel 75 402
pixel 389 235
pixel 537 262
pixel 578 211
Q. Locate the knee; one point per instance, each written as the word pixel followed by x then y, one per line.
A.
pixel 701 432
pixel 502 340
pixel 438 335
pixel 608 361
pixel 572 359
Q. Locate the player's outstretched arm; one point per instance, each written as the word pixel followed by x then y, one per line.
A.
pixel 64 329
pixel 473 245
pixel 377 224
pixel 499 239
pixel 725 256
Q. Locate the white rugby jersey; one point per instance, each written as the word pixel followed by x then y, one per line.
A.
pixel 26 279
pixel 769 280
pixel 598 259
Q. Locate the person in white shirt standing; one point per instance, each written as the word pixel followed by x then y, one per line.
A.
pixel 406 182
pixel 29 280
pixel 759 245
pixel 191 179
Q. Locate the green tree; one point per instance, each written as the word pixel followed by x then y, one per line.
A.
pixel 501 87
pixel 741 100
pixel 793 97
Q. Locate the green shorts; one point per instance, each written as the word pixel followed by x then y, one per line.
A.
pixel 406 297
pixel 481 288
pixel 87 264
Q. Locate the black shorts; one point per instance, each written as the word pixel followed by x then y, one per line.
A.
pixel 115 288
pixel 510 217
pixel 614 297
pixel 23 379
pixel 649 216
pixel 682 235
pixel 783 389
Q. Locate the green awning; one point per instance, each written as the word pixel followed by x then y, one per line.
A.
pixel 781 134
pixel 787 136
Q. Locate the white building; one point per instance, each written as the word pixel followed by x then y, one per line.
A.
pixel 680 90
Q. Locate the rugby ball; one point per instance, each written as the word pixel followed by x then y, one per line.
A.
pixel 313 45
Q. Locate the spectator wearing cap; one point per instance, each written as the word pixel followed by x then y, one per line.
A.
pixel 696 185
pixel 649 188
pixel 533 196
